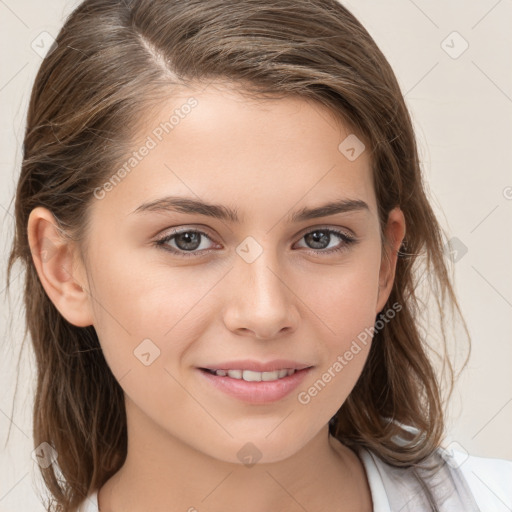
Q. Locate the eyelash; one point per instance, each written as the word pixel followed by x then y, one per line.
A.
pixel 347 241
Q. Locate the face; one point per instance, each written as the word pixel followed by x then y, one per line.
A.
pixel 177 287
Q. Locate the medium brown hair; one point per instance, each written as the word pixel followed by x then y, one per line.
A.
pixel 114 60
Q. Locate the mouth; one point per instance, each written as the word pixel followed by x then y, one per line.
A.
pixel 253 376
pixel 255 387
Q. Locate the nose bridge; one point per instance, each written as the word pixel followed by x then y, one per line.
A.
pixel 256 267
pixel 259 298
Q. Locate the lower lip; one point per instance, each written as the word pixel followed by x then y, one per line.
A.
pixel 257 392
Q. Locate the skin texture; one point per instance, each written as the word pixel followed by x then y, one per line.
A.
pixel 267 159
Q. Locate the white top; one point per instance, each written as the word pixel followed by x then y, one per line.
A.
pixel 489 480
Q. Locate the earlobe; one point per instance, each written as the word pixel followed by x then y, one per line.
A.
pixel 55 260
pixel 394 233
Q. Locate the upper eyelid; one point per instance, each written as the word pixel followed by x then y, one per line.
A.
pixel 176 231
pixel 336 231
pixel 343 231
pixel 185 230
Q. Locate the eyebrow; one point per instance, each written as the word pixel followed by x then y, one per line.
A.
pixel 217 211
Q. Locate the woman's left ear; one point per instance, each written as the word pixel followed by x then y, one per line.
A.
pixel 394 234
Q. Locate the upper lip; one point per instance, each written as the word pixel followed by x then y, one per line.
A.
pixel 257 366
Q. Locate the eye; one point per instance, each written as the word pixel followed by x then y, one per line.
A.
pixel 184 243
pixel 190 242
pixel 320 239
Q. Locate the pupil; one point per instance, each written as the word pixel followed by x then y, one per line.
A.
pixel 318 237
pixel 189 239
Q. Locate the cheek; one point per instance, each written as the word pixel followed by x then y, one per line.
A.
pixel 346 331
pixel 344 302
pixel 344 297
pixel 142 309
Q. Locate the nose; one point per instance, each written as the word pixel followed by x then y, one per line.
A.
pixel 260 301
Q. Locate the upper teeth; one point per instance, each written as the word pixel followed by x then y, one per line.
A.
pixel 251 376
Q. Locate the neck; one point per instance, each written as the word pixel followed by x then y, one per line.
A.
pixel 162 473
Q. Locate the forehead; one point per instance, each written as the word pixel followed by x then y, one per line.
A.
pixel 259 154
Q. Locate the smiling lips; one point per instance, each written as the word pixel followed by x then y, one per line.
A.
pixel 255 371
pixel 255 382
pixel 251 376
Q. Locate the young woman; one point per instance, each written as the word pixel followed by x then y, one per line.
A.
pixel 224 227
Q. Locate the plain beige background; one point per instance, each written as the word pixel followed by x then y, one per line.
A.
pixel 452 59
